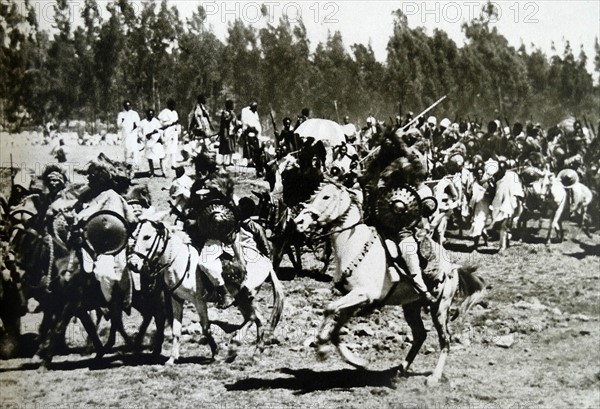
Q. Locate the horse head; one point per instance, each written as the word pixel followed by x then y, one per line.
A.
pixel 329 204
pixel 145 243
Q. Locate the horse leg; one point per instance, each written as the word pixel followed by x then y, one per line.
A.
pixel 147 314
pixel 439 315
pixel 120 327
pixel 202 310
pixel 344 308
pixel 279 246
pixel 177 318
pixel 550 228
pixel 45 329
pixel 116 325
pixel 245 302
pixel 90 329
pixel 341 320
pixel 296 259
pixel 326 256
pixel 584 225
pixel 561 232
pixel 139 338
pixel 159 320
pixel 412 314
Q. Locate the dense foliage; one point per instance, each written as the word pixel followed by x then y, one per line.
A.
pixel 152 54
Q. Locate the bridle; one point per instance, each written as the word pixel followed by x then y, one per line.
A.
pixel 339 221
pixel 157 248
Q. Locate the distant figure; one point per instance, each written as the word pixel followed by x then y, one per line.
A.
pixel 59 151
pixel 169 120
pixel 349 130
pixel 227 133
pixel 199 119
pixel 152 135
pixel 287 138
pixel 127 122
pixel 180 192
pixel 304 115
pixel 251 130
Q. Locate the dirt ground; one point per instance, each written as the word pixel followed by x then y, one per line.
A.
pixel 535 344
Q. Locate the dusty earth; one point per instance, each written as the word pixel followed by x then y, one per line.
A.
pixel 535 344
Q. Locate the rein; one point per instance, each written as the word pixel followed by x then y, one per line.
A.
pixel 154 255
pixel 340 220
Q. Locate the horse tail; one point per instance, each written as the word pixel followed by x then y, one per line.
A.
pixel 471 285
pixel 278 297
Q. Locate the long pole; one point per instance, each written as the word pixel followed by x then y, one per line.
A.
pixel 405 127
pixel 12 182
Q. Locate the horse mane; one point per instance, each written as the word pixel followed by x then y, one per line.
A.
pixel 139 193
pixel 300 184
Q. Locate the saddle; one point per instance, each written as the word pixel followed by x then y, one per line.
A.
pixel 428 261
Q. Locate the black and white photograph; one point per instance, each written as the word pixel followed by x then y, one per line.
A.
pixel 300 204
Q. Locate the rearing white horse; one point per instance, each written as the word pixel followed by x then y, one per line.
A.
pixel 365 275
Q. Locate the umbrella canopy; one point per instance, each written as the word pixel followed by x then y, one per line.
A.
pixel 324 130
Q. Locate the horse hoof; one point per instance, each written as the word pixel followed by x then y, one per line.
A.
pixel 352 359
pixel 231 355
pixel 323 352
pixel 36 360
pixel 431 381
pixel 170 362
pixel 402 371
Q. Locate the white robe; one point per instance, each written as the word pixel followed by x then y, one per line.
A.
pixel 168 117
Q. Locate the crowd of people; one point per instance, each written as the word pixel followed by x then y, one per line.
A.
pixel 461 164
pixel 413 176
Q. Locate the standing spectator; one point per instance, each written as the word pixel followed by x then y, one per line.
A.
pixel 288 138
pixel 151 134
pixel 127 121
pixel 227 133
pixel 304 115
pixel 59 151
pixel 180 193
pixel 169 120
pixel 199 119
pixel 349 130
pixel 251 130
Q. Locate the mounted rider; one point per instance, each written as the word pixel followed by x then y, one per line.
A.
pixel 396 209
pixel 212 222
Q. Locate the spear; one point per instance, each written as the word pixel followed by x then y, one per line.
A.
pixel 12 176
pixel 405 127
pixel 589 126
pixel 337 114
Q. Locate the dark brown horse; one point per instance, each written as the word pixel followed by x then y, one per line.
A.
pixel 54 276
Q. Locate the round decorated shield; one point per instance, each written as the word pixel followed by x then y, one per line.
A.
pixel 217 220
pixel 105 232
pixel 399 208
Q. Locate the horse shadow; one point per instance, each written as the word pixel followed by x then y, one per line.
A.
pixel 289 273
pixel 309 380
pixel 116 359
pixel 458 247
pixel 588 250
